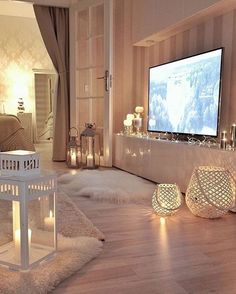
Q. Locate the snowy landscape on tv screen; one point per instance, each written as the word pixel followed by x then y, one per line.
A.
pixel 184 95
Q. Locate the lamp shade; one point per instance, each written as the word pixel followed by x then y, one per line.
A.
pixel 166 199
pixel 211 192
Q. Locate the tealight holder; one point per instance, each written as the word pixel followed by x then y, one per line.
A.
pixel 128 126
pixel 223 140
pixel 138 119
pixel 233 136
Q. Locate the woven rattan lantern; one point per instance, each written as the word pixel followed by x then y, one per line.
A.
pixel 166 199
pixel 211 192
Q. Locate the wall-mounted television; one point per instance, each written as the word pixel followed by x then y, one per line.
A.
pixel 184 95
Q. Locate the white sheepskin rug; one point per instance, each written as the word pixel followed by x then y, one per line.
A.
pixel 109 185
pixel 77 244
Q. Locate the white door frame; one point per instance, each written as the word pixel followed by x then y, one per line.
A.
pixel 108 66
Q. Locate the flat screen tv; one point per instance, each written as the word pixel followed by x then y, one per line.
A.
pixel 184 95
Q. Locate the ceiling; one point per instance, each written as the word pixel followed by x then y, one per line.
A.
pixel 61 3
pixel 24 8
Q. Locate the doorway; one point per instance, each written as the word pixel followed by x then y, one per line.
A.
pixel 91 67
pixel 45 85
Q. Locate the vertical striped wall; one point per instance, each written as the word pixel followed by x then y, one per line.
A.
pixel 132 63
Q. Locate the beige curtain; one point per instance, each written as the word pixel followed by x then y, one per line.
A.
pixel 54 27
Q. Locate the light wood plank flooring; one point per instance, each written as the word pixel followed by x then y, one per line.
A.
pixel 143 255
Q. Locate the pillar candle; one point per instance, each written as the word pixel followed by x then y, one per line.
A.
pixel 49 222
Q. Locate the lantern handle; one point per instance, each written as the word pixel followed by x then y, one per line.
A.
pixel 73 128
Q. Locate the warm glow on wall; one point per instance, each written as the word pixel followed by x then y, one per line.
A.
pixel 19 85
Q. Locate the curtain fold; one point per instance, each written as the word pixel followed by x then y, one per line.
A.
pixel 53 23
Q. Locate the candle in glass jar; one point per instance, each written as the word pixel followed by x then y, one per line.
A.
pixel 73 158
pixel 233 136
pixel 223 135
pixel 127 123
pixel 90 160
pixel 138 122
pixel 223 143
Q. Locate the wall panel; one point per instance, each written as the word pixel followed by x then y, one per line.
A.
pixel 213 33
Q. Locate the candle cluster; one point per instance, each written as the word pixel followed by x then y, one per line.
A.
pixel 224 140
pixel 133 120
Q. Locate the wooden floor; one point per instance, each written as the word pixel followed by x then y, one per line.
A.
pixel 145 254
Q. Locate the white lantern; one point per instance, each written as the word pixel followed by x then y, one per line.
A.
pixel 19 162
pixel 27 220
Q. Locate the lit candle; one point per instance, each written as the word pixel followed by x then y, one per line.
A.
pixel 130 116
pixel 127 123
pixel 17 243
pixel 49 222
pixel 139 109
pixel 90 160
pixel 73 157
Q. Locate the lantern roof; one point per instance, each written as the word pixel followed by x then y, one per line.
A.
pixel 18 152
pixel 88 132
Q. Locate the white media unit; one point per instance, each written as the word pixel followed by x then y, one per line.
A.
pixel 165 161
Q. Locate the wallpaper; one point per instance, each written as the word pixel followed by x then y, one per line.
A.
pixel 21 50
pixel 132 63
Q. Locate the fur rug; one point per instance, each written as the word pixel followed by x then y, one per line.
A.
pixel 110 185
pixel 77 244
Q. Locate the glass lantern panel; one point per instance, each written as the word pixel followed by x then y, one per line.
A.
pixel 6 232
pixel 86 148
pixel 41 223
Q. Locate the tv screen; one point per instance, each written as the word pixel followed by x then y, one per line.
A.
pixel 184 95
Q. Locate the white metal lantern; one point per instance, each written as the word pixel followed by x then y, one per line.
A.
pixel 90 147
pixel 166 199
pixel 27 220
pixel 19 162
pixel 73 151
pixel 211 192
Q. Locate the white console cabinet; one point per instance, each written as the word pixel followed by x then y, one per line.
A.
pixel 166 161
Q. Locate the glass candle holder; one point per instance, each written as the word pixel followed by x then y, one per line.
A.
pixel 127 126
pixel 223 140
pixel 233 136
pixel 138 124
pixel 223 143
